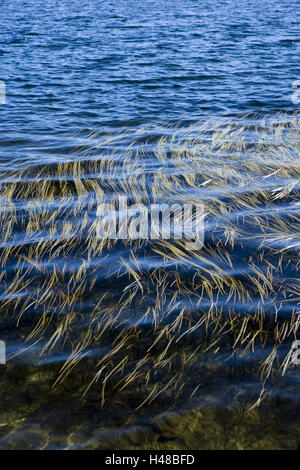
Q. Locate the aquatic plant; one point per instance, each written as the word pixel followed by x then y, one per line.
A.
pixel 151 310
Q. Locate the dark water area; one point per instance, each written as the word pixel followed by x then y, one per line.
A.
pixel 149 344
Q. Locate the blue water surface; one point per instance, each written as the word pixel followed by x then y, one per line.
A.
pixel 95 65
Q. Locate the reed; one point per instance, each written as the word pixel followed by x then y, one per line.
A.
pixel 159 304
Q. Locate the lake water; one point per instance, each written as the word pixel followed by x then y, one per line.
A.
pixel 147 343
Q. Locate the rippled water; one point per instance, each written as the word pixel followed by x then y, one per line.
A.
pixel 131 344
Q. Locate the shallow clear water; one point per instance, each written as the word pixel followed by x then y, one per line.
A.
pixel 149 345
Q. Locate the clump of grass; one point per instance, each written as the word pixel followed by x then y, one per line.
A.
pixel 152 307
